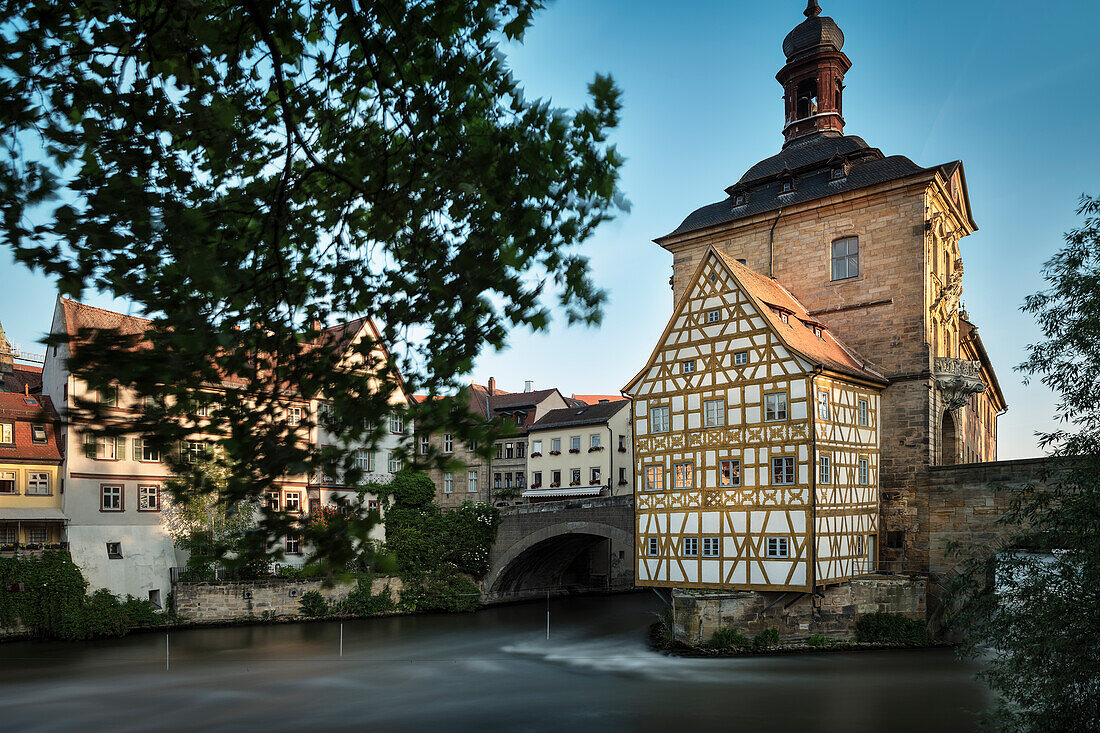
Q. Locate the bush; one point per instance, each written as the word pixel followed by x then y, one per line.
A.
pixel 767 638
pixel 425 539
pixel 412 490
pixel 445 590
pixel 728 638
pixel 820 640
pixel 891 628
pixel 364 602
pixel 312 603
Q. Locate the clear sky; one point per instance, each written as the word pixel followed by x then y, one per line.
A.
pixel 1008 87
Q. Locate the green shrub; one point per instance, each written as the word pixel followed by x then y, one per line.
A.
pixel 728 638
pixel 363 602
pixel 819 640
pixel 412 490
pixel 891 628
pixel 312 603
pixel 445 590
pixel 767 638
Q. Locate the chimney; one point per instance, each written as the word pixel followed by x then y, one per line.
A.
pixel 492 385
pixel 528 386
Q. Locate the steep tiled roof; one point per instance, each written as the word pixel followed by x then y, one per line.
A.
pixel 519 399
pixel 596 414
pixel 797 333
pixel 592 399
pixel 24 375
pixel 77 316
pixel 809 163
pixel 25 411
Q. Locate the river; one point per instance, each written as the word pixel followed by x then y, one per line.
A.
pixel 493 670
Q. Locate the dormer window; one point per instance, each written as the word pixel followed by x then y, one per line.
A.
pixel 739 199
pixel 787 185
pixel 841 171
pixel 783 317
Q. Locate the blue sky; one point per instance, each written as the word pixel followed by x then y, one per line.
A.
pixel 1008 87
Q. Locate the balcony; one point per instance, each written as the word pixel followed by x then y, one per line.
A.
pixel 957 380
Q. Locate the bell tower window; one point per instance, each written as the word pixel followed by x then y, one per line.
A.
pixel 807 100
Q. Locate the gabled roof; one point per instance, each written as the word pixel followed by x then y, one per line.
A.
pixel 25 411
pixel 771 298
pixel 23 376
pixel 593 399
pixel 78 316
pixel 596 414
pixel 512 400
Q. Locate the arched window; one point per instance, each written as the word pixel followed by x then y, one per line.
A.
pixel 845 258
pixel 807 99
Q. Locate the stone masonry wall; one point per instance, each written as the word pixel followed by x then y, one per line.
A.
pixel 232 600
pixel 698 614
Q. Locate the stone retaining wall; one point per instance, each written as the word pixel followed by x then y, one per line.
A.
pixel 232 600
pixel 698 614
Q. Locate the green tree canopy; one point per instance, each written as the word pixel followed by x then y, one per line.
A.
pixel 1038 627
pixel 241 171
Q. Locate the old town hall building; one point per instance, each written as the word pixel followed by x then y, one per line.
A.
pixel 817 361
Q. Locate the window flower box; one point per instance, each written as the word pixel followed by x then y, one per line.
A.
pixel 536 486
pixel 623 483
pixel 594 482
pixel 555 452
pixel 574 450
pixel 622 449
pixel 574 483
pixel 595 448
pixel 536 454
pixel 555 486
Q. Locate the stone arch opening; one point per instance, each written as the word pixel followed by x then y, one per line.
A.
pixel 949 440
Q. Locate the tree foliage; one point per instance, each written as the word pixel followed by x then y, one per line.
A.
pixel 1035 605
pixel 242 171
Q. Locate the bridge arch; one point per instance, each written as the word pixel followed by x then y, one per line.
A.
pixel 542 558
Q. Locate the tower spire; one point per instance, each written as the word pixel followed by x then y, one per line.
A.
pixel 812 9
pixel 813 77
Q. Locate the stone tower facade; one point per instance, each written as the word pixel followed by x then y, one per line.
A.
pixel 869 243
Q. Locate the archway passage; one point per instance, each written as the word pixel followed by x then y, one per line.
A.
pixel 949 451
pixel 562 558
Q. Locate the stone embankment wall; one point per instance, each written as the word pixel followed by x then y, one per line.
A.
pixel 698 614
pixel 233 600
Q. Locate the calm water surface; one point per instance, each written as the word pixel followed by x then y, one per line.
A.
pixel 493 670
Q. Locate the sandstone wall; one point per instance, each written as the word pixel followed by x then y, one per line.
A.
pixel 232 600
pixel 698 614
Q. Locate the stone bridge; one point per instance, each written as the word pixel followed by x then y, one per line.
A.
pixel 579 545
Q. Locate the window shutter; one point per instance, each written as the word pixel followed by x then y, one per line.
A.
pixel 120 447
pixel 89 445
pixel 137 448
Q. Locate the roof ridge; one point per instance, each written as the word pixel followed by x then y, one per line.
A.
pixel 78 304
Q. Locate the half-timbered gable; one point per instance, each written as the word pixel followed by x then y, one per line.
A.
pixel 725 431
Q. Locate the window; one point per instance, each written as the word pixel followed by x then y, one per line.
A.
pixel 110 498
pixel 775 406
pixel 397 423
pixel 500 450
pixel 825 473
pixel 508 451
pixel 7 482
pixel 864 473
pixel 7 534
pixel 394 463
pixel 622 443
pixel 314 506
pixel 146 451
pixel 103 448
pixel 36 535
pixel 783 316
pixel 595 476
pixel 683 476
pixel 472 445
pixel 521 450
pixel 845 258
pixel 575 444
pixel 555 478
pixel 741 358
pixel 520 478
pixel 653 546
pixel 555 445
pixel 6 432
pixel 710 547
pixel 691 547
pixel 575 477
pixel 38 433
pixel 622 474
pixel 507 480
pixel 783 470
pixel 729 473
pixel 714 413
pixel 191 450
pixel 787 186
pixel 713 316
pixel 864 414
pixel 536 447
pixel 293 502
pixel 448 443
pixel 448 483
pixel 148 499
pixel 496 480
pixel 273 502
pixel 471 482
pixel 536 478
pixel 777 547
pixel 658 419
pixel 108 396
pixel 38 484
pixel 364 461
pixel 739 200
pixel 425 445
pixel 293 545
pixel 654 478
pixel 823 405
pixel 372 505
pixel 687 367
pixel 594 440
pixel 520 417
pixel 114 550
pixel 859 545
pixel 294 416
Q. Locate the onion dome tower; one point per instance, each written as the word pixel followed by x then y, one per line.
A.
pixel 813 77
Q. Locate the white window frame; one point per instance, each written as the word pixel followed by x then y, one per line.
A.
pixel 575 443
pixel 594 440
pixel 594 474
pixel 448 443
pixel 144 494
pixel 775 409
pixel 393 463
pixel 555 445
pixel 425 445
pixel 690 546
pixel 825 470
pixel 448 482
pixel 397 423
pixel 107 492
pixel 536 447
pixel 714 413
pixel 294 416
pixel 653 546
pixel 293 545
pixel 710 547
pixel 844 262
pixel 471 482
pixel 823 404
pixel 38 434
pixel 778 547
pixel 864 414
pixel 864 472
pixel 658 419
pixel 293 502
pixel 654 478
pixel 9 476
pixel 714 315
pixel 38 483
pixel 741 358
pixel 687 366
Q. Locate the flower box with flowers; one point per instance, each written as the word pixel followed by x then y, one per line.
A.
pixel 536 454
pixel 622 449
pixel 554 486
pixel 593 482
pixel 622 483
pixel 574 450
pixel 535 486
pixel 595 448
pixel 574 483
pixel 555 452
